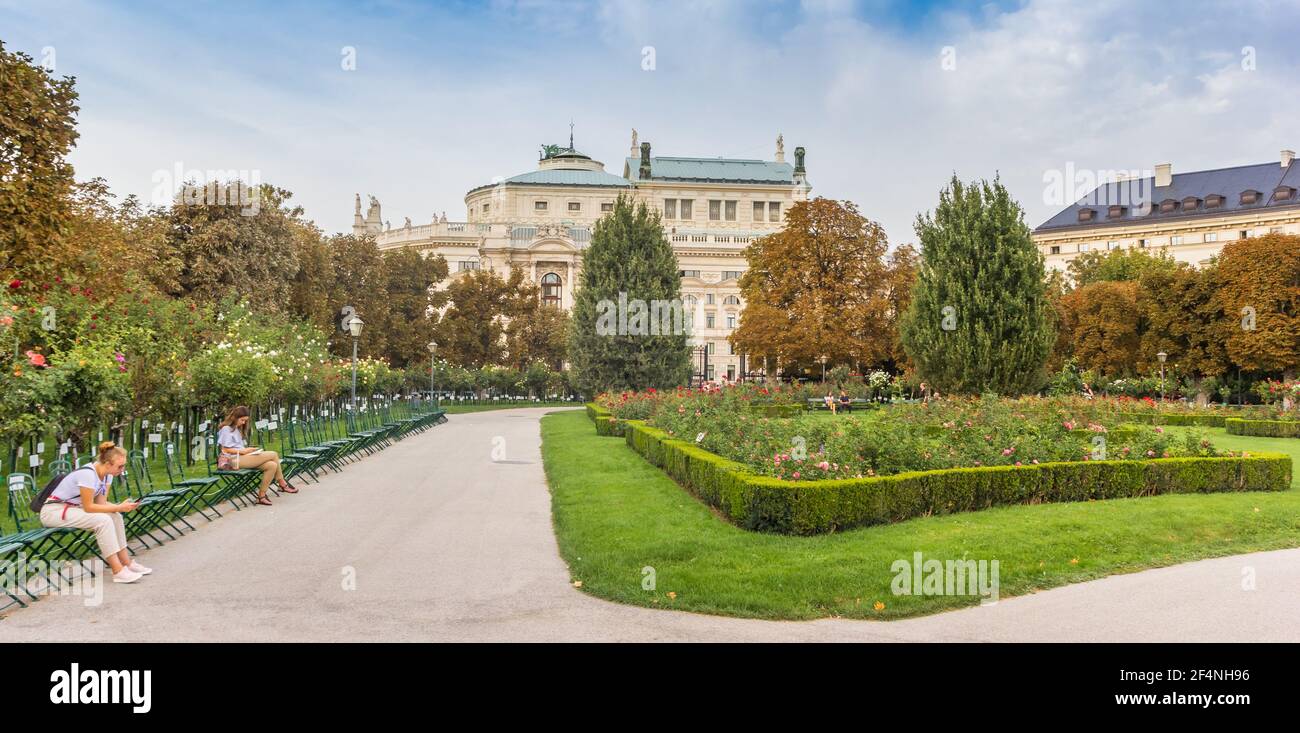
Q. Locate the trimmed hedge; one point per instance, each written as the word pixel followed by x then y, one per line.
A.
pixel 606 423
pixel 1176 419
pixel 1264 428
pixel 769 504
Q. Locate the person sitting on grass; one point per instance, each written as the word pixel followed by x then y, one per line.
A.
pixel 845 402
pixel 81 501
pixel 236 454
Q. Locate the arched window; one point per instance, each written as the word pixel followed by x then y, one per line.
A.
pixel 551 290
pixel 731 300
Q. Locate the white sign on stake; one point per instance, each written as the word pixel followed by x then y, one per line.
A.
pixel 272 425
pixel 155 437
pixel 144 423
pixel 63 449
pixel 261 424
pixel 203 426
pixel 40 447
pixel 34 461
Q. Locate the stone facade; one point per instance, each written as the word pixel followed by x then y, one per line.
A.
pixel 542 220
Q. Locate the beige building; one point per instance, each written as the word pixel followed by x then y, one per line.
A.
pixel 542 220
pixel 1188 215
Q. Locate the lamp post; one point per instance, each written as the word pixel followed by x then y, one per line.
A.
pixel 433 348
pixel 1162 356
pixel 354 328
pixel 823 360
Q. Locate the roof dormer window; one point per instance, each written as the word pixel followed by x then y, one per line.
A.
pixel 1116 212
pixel 1249 198
pixel 1213 201
pixel 1191 203
pixel 1168 206
pixel 1087 214
pixel 1283 193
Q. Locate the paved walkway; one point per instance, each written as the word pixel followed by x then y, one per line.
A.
pixel 465 552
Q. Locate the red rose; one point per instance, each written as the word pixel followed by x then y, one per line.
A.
pixel 15 284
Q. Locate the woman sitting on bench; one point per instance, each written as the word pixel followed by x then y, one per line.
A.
pixel 829 399
pixel 236 455
pixel 80 501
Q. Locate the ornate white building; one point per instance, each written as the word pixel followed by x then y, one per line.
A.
pixel 542 220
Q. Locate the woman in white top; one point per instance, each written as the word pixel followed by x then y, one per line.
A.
pixel 81 501
pixel 235 454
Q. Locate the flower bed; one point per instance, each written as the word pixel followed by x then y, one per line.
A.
pixel 765 503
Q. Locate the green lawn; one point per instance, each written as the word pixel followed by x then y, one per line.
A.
pixel 454 409
pixel 615 515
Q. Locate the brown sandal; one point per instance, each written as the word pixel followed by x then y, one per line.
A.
pixel 263 501
pixel 288 489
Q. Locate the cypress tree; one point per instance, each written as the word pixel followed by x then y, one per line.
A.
pixel 628 268
pixel 979 319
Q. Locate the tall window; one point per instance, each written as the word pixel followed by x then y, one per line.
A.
pixel 708 323
pixel 760 209
pixel 708 298
pixel 774 211
pixel 715 210
pixel 551 290
pixel 731 320
pixel 730 208
pixel 684 207
pixel 670 208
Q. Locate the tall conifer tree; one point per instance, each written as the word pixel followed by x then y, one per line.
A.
pixel 979 319
pixel 629 262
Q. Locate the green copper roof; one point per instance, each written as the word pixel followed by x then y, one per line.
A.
pixel 563 177
pixel 728 170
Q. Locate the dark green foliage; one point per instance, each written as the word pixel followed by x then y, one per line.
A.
pixel 979 319
pixel 628 256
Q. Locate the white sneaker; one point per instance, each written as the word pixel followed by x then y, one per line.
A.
pixel 138 568
pixel 127 575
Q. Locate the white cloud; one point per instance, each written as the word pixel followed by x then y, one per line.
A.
pixel 441 103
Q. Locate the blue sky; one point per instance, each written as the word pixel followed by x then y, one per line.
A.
pixel 446 96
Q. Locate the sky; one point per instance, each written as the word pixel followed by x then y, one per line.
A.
pixel 416 103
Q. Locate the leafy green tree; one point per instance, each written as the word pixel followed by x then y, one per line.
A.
pixel 979 318
pixel 471 332
pixel 226 252
pixel 36 132
pixel 409 302
pixel 628 261
pixel 1117 265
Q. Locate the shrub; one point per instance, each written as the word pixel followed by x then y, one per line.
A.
pixel 1264 428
